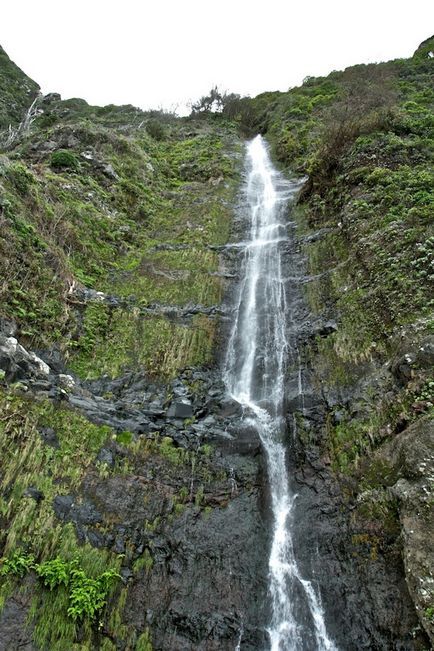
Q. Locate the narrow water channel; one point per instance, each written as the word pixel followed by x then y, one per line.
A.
pixel 256 363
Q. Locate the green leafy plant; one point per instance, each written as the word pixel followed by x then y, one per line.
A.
pixel 429 613
pixel 87 595
pixel 55 572
pixel 18 564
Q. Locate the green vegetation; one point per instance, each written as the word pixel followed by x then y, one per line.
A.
pixel 364 139
pixel 122 207
pixel 69 570
pixel 75 590
pixel 114 339
pixel 18 564
pixel 135 205
pixel 144 642
pixel 17 92
pixel 144 562
pixel 87 596
pixel 128 204
pixel 64 159
pixel 31 463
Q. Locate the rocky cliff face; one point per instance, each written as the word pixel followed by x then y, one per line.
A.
pixel 363 436
pixel 120 451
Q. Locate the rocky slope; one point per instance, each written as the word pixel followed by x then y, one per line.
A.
pixel 120 451
pixel 365 140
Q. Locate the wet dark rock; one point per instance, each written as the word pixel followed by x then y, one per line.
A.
pixel 323 328
pixel 12 372
pixel 180 409
pixel 417 356
pixel 54 359
pixel 8 327
pixel 68 509
pixel 126 574
pixel 209 575
pixel 95 538
pixel 41 386
pixel 402 367
pixel 16 632
pixel 170 247
pixel 315 237
pixel 187 614
pixel 34 493
pixel 49 437
pixel 297 402
pixel 425 354
pixel 62 505
pixel 106 456
pixel 338 416
pixel 229 408
pixel 86 514
pixel 411 456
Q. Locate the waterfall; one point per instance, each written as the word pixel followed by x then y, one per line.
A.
pixel 255 377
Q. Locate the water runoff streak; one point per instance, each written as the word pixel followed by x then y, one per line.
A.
pixel 255 376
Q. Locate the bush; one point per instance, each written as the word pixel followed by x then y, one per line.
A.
pixel 155 129
pixel 64 159
pixel 20 177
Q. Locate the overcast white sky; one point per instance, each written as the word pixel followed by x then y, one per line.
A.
pixel 166 52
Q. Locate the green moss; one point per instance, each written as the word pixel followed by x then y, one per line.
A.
pixel 124 438
pixel 206 449
pixel 40 466
pixel 144 642
pixel 199 496
pixel 64 159
pixel 144 562
pixel 170 277
pixel 169 451
pixel 28 293
pixel 378 473
pixel 365 545
pixel 352 442
pixel 381 508
pixel 115 625
pixel 329 364
pixel 115 339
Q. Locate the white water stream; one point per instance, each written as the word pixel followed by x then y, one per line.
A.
pixel 255 377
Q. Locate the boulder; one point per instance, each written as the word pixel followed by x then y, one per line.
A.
pixel 180 409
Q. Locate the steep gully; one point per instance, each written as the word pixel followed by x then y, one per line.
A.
pixel 258 353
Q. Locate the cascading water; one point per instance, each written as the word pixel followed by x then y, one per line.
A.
pixel 255 377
